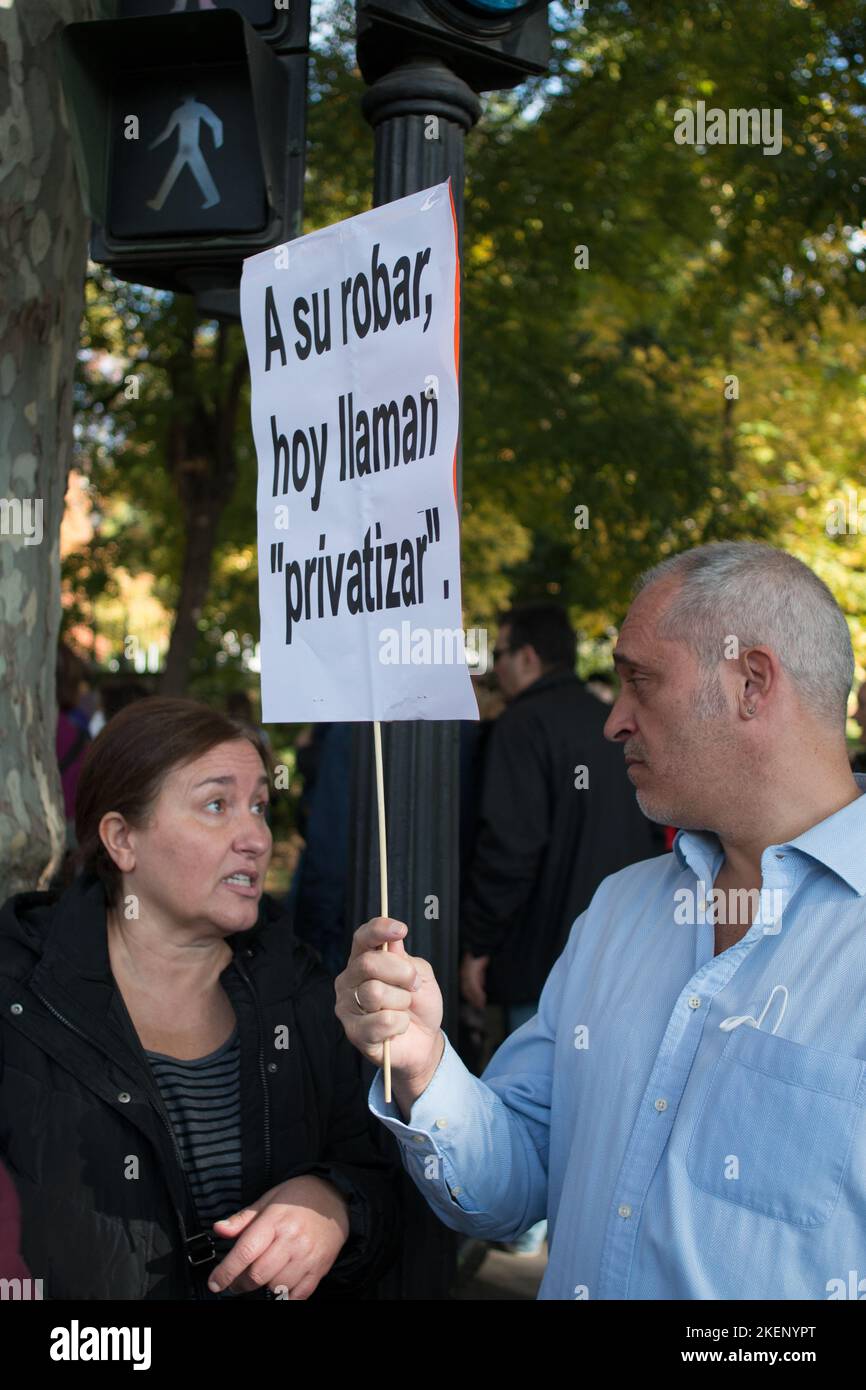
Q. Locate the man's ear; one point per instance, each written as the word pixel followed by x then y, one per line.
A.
pixel 759 667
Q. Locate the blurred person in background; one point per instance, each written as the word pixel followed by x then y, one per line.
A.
pixel 239 707
pixel 309 743
pixel 602 684
pixel 72 740
pixel 474 1024
pixel 116 695
pixel 11 1264
pixel 317 896
pixel 73 732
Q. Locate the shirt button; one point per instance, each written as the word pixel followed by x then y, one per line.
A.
pixel 124 1097
pixel 694 1002
pixel 441 1124
pixel 16 1009
pixel 625 1211
pixel 419 1138
pixel 455 1191
pixel 780 856
pixel 661 1104
pixel 272 1066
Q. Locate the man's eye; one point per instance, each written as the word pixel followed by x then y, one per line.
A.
pixel 217 801
pixel 263 806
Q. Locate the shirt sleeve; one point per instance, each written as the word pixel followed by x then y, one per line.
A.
pixel 514 830
pixel 477 1147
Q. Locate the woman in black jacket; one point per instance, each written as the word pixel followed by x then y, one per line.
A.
pixel 172 1073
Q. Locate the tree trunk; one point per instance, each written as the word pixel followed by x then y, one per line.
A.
pixel 201 456
pixel 195 578
pixel 43 244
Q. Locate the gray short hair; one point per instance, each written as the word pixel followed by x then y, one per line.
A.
pixel 763 597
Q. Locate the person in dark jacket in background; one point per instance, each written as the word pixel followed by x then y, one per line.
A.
pixel 558 814
pixel 172 1075
pixel 317 897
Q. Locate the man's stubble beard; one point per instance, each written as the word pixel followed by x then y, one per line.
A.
pixel 708 706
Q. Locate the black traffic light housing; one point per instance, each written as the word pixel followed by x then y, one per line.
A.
pixel 188 130
pixel 488 48
pixel 283 24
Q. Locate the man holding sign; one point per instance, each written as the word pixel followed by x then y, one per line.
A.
pixel 688 1106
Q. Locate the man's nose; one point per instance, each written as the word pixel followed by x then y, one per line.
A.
pixel 620 723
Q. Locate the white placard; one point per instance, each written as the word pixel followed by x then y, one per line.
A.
pixel 352 336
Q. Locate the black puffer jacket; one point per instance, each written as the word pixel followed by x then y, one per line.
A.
pixel 77 1100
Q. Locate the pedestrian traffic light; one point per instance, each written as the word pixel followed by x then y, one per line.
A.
pixel 489 43
pixel 188 128
pixel 284 24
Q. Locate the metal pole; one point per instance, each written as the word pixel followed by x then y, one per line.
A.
pixel 421 756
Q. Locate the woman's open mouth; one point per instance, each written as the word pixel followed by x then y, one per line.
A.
pixel 244 884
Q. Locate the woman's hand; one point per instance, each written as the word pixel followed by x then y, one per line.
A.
pixel 288 1239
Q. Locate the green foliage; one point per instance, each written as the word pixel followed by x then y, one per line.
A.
pixel 601 387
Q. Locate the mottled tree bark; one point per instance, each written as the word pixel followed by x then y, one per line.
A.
pixel 200 454
pixel 43 248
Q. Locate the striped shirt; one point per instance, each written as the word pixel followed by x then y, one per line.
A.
pixel 203 1099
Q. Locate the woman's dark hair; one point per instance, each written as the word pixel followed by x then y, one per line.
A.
pixel 129 760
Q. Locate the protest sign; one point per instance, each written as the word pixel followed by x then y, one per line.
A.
pixel 353 338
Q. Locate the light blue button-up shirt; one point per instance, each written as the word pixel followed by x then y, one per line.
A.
pixel 692 1126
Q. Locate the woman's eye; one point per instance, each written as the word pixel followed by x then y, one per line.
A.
pixel 260 806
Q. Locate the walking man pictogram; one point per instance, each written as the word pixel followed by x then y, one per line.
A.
pixel 188 117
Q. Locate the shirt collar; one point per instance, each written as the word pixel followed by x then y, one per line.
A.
pixel 838 842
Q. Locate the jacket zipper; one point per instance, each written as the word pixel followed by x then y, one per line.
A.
pixel 267 1101
pixel 158 1106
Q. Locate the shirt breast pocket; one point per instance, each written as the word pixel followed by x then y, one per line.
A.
pixel 775 1130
